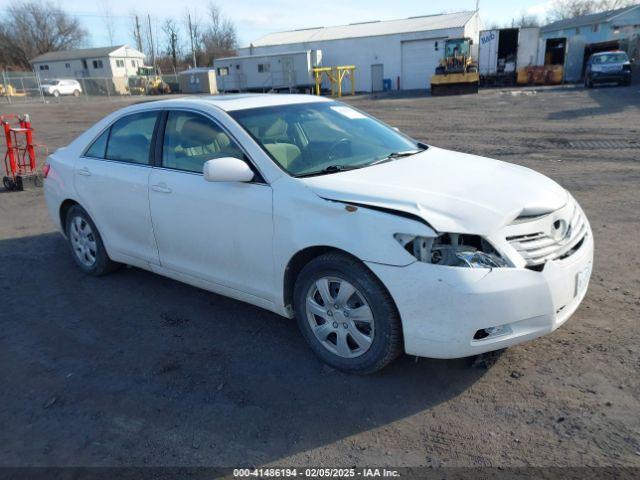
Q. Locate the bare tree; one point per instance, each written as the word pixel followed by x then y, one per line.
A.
pixel 171 32
pixel 219 37
pixel 604 5
pixel 563 9
pixel 525 21
pixel 32 28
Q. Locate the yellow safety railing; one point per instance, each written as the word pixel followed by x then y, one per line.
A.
pixel 335 75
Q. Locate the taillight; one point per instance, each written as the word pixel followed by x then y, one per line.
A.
pixel 45 170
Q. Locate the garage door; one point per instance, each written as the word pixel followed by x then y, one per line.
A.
pixel 419 61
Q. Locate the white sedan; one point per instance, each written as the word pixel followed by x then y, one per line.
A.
pixel 376 243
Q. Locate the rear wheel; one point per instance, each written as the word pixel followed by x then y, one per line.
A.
pixel 346 315
pixel 86 244
pixel 8 183
pixel 76 93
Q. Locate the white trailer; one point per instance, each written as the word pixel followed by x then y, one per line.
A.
pixel 502 52
pixel 286 71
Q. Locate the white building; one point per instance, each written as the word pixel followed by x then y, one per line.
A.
pixel 104 62
pixel 406 52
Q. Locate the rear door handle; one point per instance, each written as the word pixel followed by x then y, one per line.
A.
pixel 161 188
pixel 84 171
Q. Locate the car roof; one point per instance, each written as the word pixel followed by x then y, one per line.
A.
pixel 242 101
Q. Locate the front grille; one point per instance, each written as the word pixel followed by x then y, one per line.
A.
pixel 563 238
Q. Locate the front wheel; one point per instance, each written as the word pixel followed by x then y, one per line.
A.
pixel 76 93
pixel 86 244
pixel 56 93
pixel 346 315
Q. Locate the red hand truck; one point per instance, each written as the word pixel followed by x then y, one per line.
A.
pixel 20 156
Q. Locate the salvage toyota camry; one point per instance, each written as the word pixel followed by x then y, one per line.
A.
pixel 375 243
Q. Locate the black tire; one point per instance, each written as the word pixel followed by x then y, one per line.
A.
pixel 387 343
pixel 103 264
pixel 8 183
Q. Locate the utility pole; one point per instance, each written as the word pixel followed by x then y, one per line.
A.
pixel 477 5
pixel 193 50
pixel 138 36
pixel 153 51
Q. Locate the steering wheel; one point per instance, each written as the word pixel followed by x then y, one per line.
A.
pixel 334 149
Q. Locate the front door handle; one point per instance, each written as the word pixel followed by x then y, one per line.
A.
pixel 161 188
pixel 84 171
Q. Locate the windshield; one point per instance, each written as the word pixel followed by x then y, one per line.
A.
pixel 610 58
pixel 323 137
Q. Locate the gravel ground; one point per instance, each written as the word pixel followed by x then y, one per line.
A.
pixel 136 369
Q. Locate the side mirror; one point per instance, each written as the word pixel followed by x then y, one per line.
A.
pixel 227 169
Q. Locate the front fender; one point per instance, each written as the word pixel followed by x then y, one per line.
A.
pixel 302 220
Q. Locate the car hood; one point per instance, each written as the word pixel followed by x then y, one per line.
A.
pixel 453 192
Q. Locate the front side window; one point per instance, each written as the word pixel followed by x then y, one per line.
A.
pixel 191 139
pixel 321 137
pixel 130 138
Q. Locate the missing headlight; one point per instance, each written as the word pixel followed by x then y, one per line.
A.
pixel 453 250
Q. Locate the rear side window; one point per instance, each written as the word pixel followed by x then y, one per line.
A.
pixel 130 138
pixel 99 146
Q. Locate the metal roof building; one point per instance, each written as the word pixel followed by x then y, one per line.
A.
pixel 573 40
pixel 406 51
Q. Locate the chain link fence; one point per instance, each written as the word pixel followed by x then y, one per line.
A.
pixel 27 87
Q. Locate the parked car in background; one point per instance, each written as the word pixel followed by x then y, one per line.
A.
pixel 608 67
pixel 378 244
pixel 61 87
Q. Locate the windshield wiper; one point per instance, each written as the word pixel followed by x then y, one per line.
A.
pixel 396 155
pixel 330 169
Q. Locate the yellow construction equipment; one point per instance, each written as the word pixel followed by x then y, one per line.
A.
pixel 335 75
pixel 10 91
pixel 148 82
pixel 458 72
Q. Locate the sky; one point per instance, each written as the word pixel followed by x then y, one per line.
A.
pixel 254 18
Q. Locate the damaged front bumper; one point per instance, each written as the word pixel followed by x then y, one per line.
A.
pixel 451 312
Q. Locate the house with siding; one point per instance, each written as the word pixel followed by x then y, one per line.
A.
pixel 116 63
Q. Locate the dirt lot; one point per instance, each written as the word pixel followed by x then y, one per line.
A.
pixel 136 369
